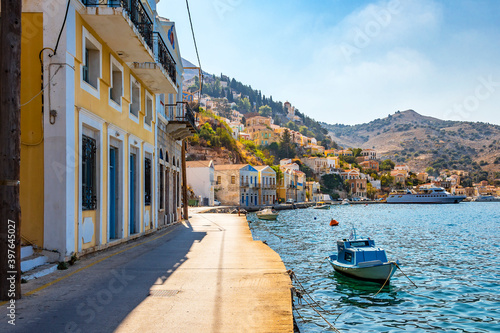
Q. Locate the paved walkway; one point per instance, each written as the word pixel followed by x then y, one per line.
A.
pixel 206 275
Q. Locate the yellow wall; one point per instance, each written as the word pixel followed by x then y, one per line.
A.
pixel 92 214
pixel 101 108
pixel 31 189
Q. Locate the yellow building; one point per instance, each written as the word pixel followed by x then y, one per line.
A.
pixel 267 185
pixel 262 135
pixel 258 120
pixel 90 165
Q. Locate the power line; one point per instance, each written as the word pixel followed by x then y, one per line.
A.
pixel 196 48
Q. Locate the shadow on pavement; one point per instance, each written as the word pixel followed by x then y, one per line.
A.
pixel 99 298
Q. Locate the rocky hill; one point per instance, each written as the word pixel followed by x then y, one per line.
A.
pixel 422 141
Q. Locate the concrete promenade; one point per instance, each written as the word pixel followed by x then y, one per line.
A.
pixel 205 275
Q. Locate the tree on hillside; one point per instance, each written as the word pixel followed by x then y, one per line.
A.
pixel 286 146
pixel 291 125
pixel 356 152
pixel 332 182
pixel 279 173
pixel 244 105
pixel 431 171
pixel 265 111
pixel 387 165
pixel 386 180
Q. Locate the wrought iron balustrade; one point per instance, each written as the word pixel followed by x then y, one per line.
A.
pixel 164 57
pixel 188 115
pixel 136 13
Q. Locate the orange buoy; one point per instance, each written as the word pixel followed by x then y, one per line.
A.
pixel 334 222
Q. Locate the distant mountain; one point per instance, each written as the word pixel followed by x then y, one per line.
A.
pixel 422 141
pixel 190 73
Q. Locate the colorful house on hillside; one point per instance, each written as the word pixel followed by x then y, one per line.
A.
pixel 89 172
pixel 370 164
pixel 262 135
pixel 343 152
pixel 293 184
pixel 400 176
pixel 237 184
pixel 370 154
pixel 201 179
pixel 267 188
pixel 258 120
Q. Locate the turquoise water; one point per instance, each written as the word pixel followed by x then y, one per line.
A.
pixel 451 252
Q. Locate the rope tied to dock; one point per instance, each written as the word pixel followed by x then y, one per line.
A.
pixel 302 292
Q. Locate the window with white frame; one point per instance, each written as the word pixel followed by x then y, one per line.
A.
pixel 135 97
pixel 116 75
pixel 149 109
pixel 91 65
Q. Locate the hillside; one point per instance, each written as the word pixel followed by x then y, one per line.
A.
pixel 422 141
pixel 247 100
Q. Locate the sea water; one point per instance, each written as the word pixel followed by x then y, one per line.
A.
pixel 451 252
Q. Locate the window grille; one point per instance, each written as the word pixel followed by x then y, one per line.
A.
pixel 89 197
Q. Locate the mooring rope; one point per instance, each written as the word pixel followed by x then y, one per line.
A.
pixel 292 274
pixel 405 274
pixel 304 291
pixel 388 277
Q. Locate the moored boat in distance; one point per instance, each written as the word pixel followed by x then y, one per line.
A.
pixel 321 205
pixel 267 214
pixel 486 198
pixel 425 195
pixel 361 259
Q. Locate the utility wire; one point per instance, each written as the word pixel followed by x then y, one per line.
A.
pixel 195 47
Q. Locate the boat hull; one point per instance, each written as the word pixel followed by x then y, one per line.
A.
pixel 322 207
pixel 376 273
pixel 268 217
pixel 413 199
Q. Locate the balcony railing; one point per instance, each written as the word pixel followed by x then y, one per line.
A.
pixel 188 116
pixel 183 123
pixel 164 57
pixel 136 13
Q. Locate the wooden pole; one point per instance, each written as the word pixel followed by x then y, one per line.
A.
pixel 184 180
pixel 10 151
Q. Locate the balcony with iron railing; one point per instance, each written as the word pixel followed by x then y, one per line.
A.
pixel 124 23
pixel 182 124
pixel 164 57
pixel 113 20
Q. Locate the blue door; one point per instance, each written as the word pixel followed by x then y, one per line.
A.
pixel 132 195
pixel 112 193
pixel 247 200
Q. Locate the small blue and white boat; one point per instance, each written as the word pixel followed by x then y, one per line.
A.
pixel 361 259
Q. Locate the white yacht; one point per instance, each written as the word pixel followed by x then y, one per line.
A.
pixel 427 195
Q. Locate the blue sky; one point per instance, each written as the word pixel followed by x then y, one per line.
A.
pixel 353 61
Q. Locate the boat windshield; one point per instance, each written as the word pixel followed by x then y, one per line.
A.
pixel 359 244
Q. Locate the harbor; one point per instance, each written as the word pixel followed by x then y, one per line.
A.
pixel 203 275
pixel 446 250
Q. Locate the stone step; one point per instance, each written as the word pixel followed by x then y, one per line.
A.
pixel 26 251
pixel 32 261
pixel 39 271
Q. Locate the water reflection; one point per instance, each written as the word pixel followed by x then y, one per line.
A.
pixel 449 251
